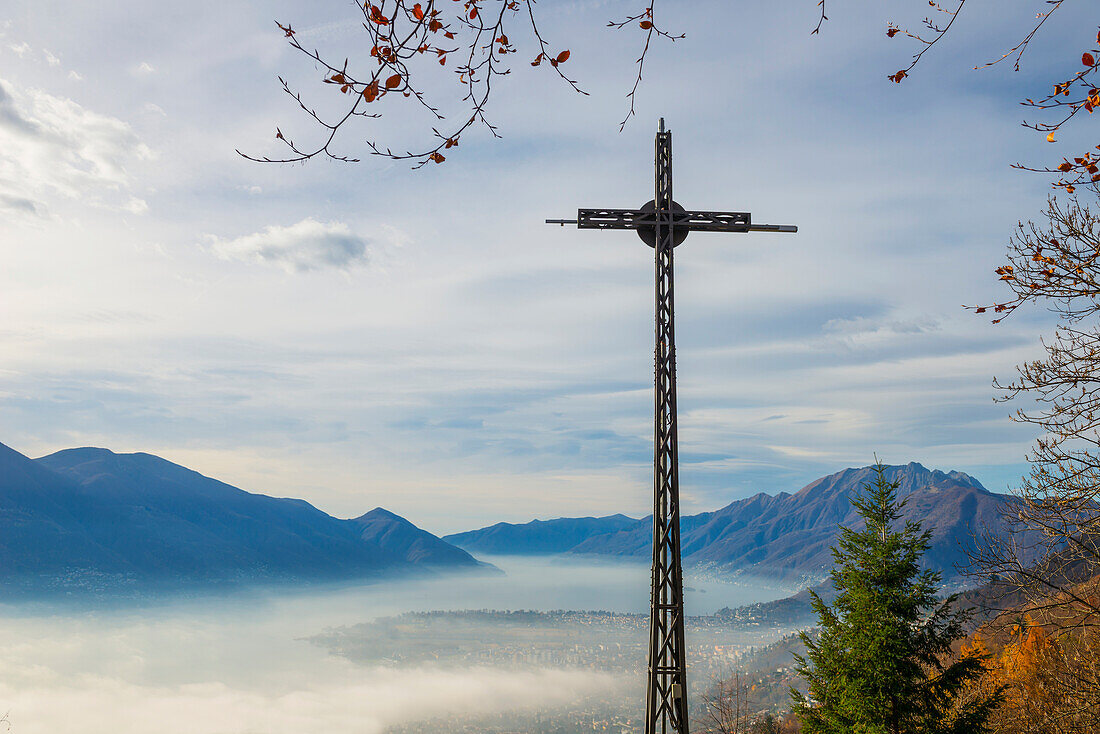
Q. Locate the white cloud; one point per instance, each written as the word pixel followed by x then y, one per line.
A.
pixel 75 76
pixel 144 68
pixel 861 331
pixel 136 206
pixel 51 59
pixel 20 205
pixel 20 49
pixel 307 245
pixel 51 147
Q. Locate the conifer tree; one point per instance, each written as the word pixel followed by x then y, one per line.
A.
pixel 882 664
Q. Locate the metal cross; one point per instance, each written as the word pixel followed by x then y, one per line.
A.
pixel 663 224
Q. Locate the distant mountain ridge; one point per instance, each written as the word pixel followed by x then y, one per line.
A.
pixel 89 516
pixel 785 536
pixel 540 537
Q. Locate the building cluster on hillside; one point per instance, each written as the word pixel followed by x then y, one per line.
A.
pixel 601 641
pixel 598 641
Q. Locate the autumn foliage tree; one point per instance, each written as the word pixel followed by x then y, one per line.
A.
pixel 1052 557
pixel 1048 565
pixel 474 42
pixel 1061 102
pixel 1045 676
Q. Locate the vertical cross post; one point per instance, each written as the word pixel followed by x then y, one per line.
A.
pixel 663 224
pixel 666 693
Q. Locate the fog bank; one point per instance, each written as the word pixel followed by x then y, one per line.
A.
pixel 242 664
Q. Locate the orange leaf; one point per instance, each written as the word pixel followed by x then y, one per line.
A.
pixel 437 157
pixel 563 57
pixel 645 25
pixel 473 14
pixel 393 81
pixel 1050 137
pixel 370 93
pixel 418 12
pixel 1087 60
pixel 377 17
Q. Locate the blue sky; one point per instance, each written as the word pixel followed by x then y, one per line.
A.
pixel 370 335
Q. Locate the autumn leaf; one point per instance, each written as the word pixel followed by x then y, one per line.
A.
pixel 370 93
pixel 1087 60
pixel 377 17
pixel 563 57
pixel 436 157
pixel 418 12
pixel 645 25
pixel 393 82
pixel 1050 137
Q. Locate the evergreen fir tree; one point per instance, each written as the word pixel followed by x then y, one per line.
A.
pixel 882 664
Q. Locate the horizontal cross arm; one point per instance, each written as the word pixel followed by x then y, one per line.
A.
pixel 638 218
pixel 694 221
pixel 774 228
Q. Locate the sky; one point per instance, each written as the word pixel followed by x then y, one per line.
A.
pixel 363 335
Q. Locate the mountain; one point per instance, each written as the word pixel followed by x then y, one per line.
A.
pixel 39 532
pixel 540 537
pixel 88 513
pixel 788 536
pixel 413 545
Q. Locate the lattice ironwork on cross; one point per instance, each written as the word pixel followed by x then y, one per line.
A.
pixel 663 224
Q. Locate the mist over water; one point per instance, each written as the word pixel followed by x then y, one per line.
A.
pixel 241 664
